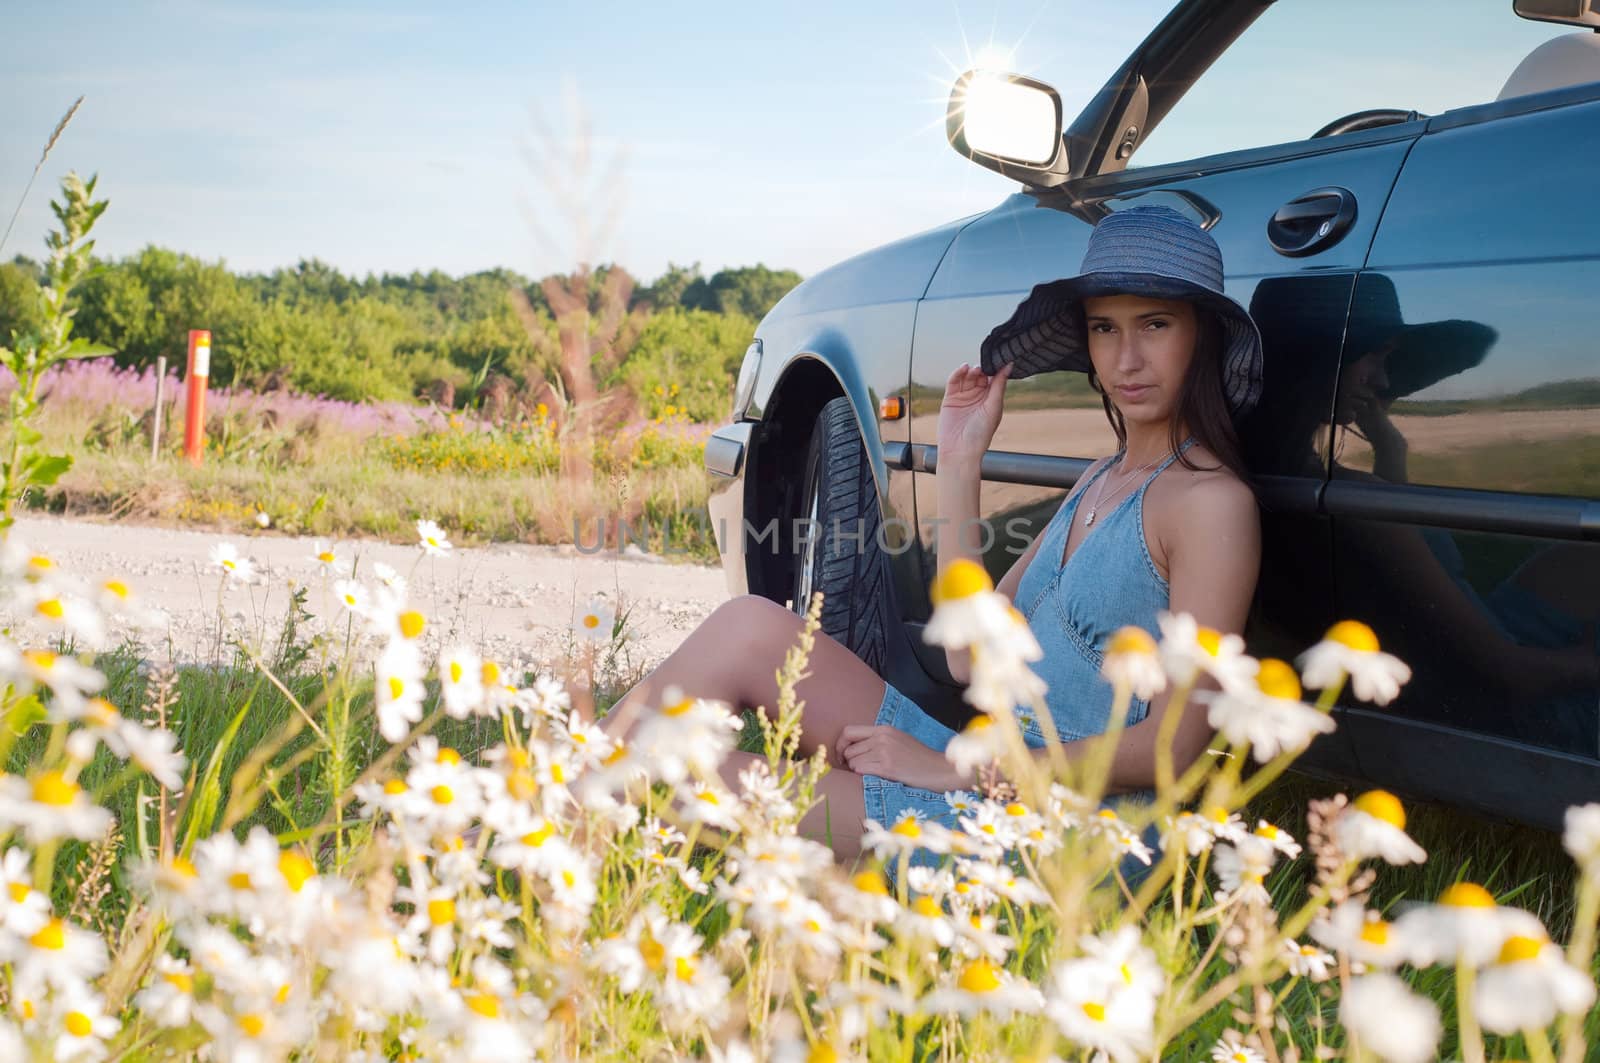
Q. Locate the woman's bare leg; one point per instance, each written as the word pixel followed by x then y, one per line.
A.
pixel 838 817
pixel 734 656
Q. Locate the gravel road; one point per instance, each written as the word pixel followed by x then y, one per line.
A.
pixel 514 602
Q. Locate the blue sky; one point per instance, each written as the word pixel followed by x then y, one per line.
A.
pixel 392 136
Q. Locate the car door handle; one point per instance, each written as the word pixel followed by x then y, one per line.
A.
pixel 1312 222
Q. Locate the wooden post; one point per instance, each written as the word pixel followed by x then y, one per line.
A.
pixel 194 416
pixel 155 420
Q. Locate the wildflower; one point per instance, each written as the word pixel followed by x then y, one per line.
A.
pixel 595 623
pixel 327 560
pixel 982 985
pixel 546 698
pixel 58 954
pixel 688 736
pixel 969 612
pixel 1242 869
pixel 169 998
pixel 352 596
pixel 1350 648
pixel 1190 831
pixel 1374 824
pixel 225 557
pixel 1188 649
pixel 978 745
pixel 49 806
pixel 263 519
pixel 1270 717
pixel 65 614
pixel 390 580
pixel 1226 1051
pixel 461 682
pixel 713 806
pixel 1132 660
pixel 1528 985
pixel 1280 840
pixel 1390 1019
pixel 81 1026
pixel 1092 1006
pixel 1464 925
pixel 1124 952
pixel 1224 825
pixel 117 599
pixel 23 909
pixel 926 918
pixel 1308 961
pixel 400 691
pixel 68 680
pixel 1001 679
pixel 1581 837
pixel 431 538
pixel 1362 935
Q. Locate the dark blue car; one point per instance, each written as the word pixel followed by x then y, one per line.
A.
pixel 1427 450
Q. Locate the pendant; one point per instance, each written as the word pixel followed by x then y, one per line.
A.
pixel 1089 519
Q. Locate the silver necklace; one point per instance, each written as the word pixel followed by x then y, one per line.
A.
pixel 1101 486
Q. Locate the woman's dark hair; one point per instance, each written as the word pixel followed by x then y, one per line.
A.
pixel 1201 402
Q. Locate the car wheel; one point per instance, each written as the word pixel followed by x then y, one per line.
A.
pixel 850 567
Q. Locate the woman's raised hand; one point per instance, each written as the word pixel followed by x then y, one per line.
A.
pixel 970 411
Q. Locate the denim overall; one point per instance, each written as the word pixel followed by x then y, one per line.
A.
pixel 1109 582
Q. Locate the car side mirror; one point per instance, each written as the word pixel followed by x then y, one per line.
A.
pixel 1564 12
pixel 1009 123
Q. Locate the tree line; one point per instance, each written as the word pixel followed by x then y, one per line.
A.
pixel 484 340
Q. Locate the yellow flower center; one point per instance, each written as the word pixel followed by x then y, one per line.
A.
pixel 103 712
pixel 253 1024
pixel 591 621
pixel 907 827
pixel 678 708
pixel 117 588
pixel 326 557
pixel 397 688
pixel 1210 640
pixel 1131 641
pixel 412 623
pixel 53 788
pixel 535 838
pixel 394 786
pixel 484 1004
pixel 441 912
pixel 43 660
pixel 1375 932
pixel 281 997
pixel 443 795
pixel 51 937
pixel 558 774
pixel 1016 808
pixel 1518 948
pixel 446 755
pixel 79 1024
pixel 1467 895
pixel 927 907
pixel 1095 1011
pixel 708 796
pixel 960 579
pixel 651 951
pixel 1382 805
pixel 1268 831
pixel 183 983
pixel 1277 679
pixel 870 881
pixel 522 785
pixel 296 869
pixel 1217 814
pixel 1354 635
pixel 18 891
pixel 491 673
pixel 979 976
pixel 40 563
pixel 685 969
pixel 455 671
pixel 52 608
pixel 239 880
pixel 822 1053
pixel 615 756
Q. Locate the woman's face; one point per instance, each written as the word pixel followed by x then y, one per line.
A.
pixel 1141 348
pixel 1360 384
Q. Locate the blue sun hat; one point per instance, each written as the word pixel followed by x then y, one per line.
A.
pixel 1147 250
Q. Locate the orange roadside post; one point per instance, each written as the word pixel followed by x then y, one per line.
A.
pixel 194 415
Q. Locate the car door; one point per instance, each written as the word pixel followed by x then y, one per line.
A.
pixel 1466 466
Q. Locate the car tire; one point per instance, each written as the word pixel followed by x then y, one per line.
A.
pixel 851 569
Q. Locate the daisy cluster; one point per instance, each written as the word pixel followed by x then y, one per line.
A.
pixel 561 893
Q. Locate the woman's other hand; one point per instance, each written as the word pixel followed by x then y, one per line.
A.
pixel 876 749
pixel 970 411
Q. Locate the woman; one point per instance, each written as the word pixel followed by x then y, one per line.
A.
pixel 1170 523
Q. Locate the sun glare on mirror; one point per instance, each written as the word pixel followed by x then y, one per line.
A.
pixel 1008 120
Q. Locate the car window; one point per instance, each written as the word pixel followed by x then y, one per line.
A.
pixel 1302 64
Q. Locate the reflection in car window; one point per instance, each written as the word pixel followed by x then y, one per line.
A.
pixel 1302 65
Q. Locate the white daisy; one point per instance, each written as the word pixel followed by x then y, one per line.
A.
pixel 982 985
pixel 399 690
pixel 1528 985
pixel 1374 824
pixel 328 561
pixel 1363 936
pixel 49 806
pixel 1350 648
pixel 1187 649
pixel 1308 961
pixel 1133 659
pixel 1270 717
pixel 977 745
pixel 1280 840
pixel 431 538
pixel 1582 837
pixel 1226 1051
pixel 1390 1019
pixel 225 558
pixel 353 596
pixel 595 622
pixel 1465 925
pixel 1093 1007
pixel 1242 868
pixel 461 682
